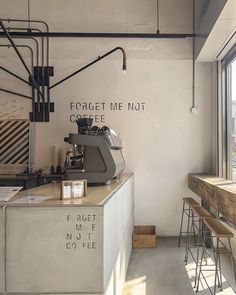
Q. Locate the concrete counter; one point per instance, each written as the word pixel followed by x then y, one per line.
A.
pixel 79 246
pixel 96 195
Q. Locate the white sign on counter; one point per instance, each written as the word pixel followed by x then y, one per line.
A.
pixel 7 192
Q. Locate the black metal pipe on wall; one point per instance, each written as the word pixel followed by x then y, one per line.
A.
pixel 32 61
pixel 9 37
pixel 15 93
pixel 42 54
pixel 30 30
pixel 27 33
pixel 41 108
pixel 93 62
pixel 100 35
pixel 37 56
pixel 13 74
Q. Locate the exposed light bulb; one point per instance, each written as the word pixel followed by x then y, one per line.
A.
pixel 124 66
pixel 193 110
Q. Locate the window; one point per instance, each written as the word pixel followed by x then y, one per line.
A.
pixel 233 102
pixel 229 115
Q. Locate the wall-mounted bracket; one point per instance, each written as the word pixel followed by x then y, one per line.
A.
pixel 42 76
pixel 40 112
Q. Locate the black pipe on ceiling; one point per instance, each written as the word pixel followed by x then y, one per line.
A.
pixel 100 35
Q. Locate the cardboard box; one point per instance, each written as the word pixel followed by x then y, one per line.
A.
pixel 144 236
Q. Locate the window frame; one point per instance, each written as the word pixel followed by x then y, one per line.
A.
pixel 225 115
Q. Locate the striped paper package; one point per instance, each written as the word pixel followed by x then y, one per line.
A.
pixel 14 146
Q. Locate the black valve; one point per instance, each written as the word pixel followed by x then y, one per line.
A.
pixel 95 129
pixel 105 129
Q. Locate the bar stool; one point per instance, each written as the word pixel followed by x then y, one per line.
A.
pixel 200 213
pixel 188 205
pixel 215 229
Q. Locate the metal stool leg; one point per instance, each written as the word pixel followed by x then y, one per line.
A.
pixel 190 231
pixel 216 256
pixel 232 261
pixel 187 238
pixel 216 262
pixel 220 285
pixel 198 247
pixel 200 266
pixel 214 230
pixel 193 227
pixel 181 224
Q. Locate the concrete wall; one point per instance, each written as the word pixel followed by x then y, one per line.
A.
pixel 162 141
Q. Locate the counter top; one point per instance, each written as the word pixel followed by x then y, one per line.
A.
pixel 96 195
pixel 219 193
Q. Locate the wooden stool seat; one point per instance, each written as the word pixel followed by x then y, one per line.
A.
pixel 191 202
pixel 201 212
pixel 217 228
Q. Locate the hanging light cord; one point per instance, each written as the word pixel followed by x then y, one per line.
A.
pixel 158 23
pixel 193 107
pixel 29 14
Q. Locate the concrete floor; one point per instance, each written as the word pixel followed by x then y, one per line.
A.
pixel 161 271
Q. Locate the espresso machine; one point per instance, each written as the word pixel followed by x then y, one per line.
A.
pixel 96 154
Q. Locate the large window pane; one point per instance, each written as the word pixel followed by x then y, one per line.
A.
pixel 232 94
pixel 227 117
